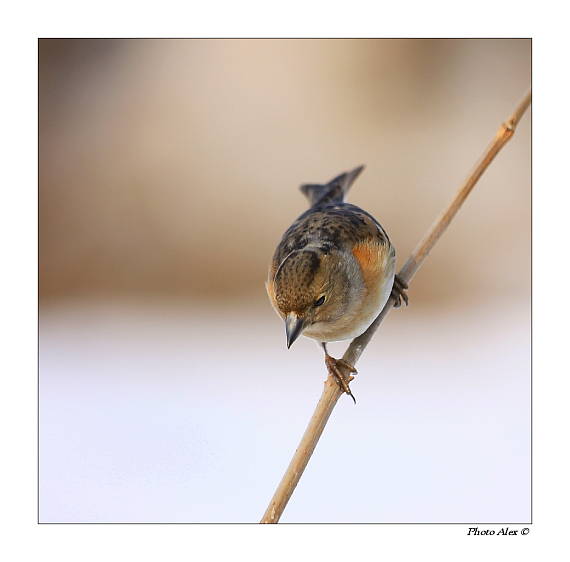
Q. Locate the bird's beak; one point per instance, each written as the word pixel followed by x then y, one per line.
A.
pixel 293 328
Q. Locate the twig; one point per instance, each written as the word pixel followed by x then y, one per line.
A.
pixel 332 391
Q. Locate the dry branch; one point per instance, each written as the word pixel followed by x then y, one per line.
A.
pixel 332 391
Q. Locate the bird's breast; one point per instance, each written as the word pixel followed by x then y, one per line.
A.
pixel 376 262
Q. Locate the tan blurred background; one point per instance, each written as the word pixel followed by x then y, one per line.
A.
pixel 169 170
pixel 172 166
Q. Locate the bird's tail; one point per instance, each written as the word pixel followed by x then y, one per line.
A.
pixel 332 192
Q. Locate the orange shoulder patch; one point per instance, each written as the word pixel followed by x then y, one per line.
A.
pixel 370 257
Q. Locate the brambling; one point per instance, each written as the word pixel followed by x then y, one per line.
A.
pixel 333 271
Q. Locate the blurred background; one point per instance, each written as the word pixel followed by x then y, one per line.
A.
pixel 168 172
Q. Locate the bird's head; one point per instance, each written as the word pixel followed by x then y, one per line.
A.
pixel 312 289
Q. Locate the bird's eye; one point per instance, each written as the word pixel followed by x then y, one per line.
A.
pixel 320 301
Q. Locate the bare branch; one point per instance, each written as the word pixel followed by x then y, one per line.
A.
pixel 332 391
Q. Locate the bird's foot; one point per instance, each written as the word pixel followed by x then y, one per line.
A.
pixel 399 292
pixel 340 370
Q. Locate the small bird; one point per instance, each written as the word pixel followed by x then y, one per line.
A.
pixel 333 271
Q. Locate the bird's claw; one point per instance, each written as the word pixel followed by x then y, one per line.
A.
pixel 335 368
pixel 399 292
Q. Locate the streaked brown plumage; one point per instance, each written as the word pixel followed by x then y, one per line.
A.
pixel 333 271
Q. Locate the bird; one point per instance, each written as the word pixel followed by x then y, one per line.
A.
pixel 333 271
